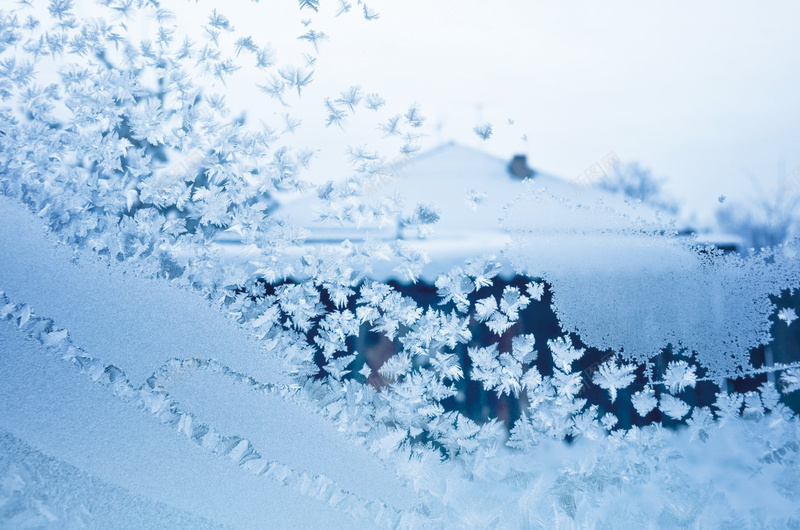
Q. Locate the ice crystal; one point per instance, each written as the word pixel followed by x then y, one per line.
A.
pixel 613 377
pixel 484 132
pixel 128 148
pixel 788 315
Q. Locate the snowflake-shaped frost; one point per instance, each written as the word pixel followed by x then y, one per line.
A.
pixel 788 315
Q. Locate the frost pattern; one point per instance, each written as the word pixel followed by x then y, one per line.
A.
pixel 129 150
pixel 663 291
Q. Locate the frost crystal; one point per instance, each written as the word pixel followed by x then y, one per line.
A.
pixel 131 148
pixel 483 131
pixel 788 315
pixel 564 354
pixel 791 380
pixel 679 376
pixel 535 290
pixel 613 377
pixel 474 198
pixel 644 401
pixel 673 407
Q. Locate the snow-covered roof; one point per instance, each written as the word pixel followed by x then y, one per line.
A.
pixel 442 177
pixel 470 190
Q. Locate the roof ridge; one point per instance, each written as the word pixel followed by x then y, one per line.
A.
pixel 452 143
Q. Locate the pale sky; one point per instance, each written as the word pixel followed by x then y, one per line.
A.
pixel 702 93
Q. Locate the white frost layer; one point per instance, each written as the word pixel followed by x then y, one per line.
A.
pixel 621 283
pixel 134 323
pixel 60 412
pixel 140 335
pixel 39 491
pixel 289 433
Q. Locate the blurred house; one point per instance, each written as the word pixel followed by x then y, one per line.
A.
pixel 469 190
pixel 577 230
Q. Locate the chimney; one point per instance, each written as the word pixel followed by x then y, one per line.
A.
pixel 518 167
